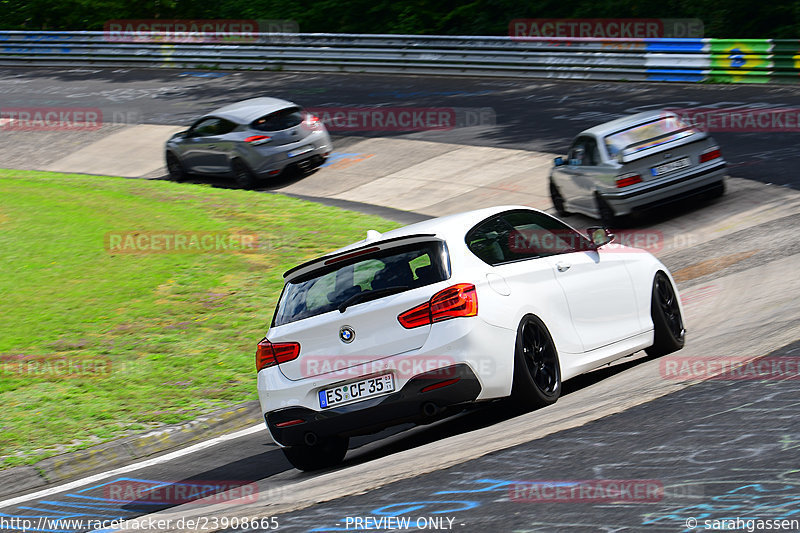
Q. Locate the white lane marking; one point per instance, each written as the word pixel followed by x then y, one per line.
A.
pixel 135 466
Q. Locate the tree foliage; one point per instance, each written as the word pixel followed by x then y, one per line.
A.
pixel 728 19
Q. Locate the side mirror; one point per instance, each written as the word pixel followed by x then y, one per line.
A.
pixel 599 236
pixel 558 161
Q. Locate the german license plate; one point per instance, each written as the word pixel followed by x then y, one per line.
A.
pixel 301 151
pixel 355 391
pixel 672 166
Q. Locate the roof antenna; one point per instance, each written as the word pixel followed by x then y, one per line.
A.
pixel 372 235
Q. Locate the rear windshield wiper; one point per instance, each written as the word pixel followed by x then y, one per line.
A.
pixel 371 295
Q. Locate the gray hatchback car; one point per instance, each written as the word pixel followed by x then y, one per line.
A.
pixel 633 163
pixel 249 140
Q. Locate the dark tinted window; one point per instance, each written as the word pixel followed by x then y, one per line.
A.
pixel 212 126
pixel 400 268
pixel 518 235
pixel 225 126
pixel 206 127
pixel 584 152
pixel 280 120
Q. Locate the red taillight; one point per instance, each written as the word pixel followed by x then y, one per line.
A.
pixel 256 140
pixel 628 179
pixel 441 384
pixel 416 317
pixel 710 154
pixel 312 121
pixel 289 423
pixel 457 301
pixel 269 354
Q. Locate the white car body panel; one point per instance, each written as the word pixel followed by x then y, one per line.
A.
pixel 533 290
pixel 600 296
pixel 376 337
pixel 597 310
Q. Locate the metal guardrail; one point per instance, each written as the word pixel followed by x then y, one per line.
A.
pixel 686 60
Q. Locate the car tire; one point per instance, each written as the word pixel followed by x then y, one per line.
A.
pixel 558 200
pixel 323 454
pixel 175 167
pixel 669 334
pixel 607 216
pixel 242 174
pixel 537 372
pixel 716 190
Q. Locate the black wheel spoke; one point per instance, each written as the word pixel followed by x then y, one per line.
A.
pixel 669 305
pixel 540 359
pixel 665 310
pixel 544 379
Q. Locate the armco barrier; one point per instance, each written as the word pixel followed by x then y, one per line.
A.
pixel 685 60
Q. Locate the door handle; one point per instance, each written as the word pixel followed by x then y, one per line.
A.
pixel 562 267
pixel 212 146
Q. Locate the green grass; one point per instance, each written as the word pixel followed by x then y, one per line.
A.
pixel 171 335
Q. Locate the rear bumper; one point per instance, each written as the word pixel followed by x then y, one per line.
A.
pixel 485 350
pixel 650 194
pixel 274 164
pixel 412 403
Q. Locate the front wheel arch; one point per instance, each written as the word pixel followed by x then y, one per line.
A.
pixel 175 167
pixel 537 366
pixel 242 174
pixel 558 200
pixel 669 333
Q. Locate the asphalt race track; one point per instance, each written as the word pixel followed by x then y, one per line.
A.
pixel 698 459
pixel 540 115
pixel 721 449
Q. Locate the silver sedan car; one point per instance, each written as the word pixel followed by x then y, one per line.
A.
pixel 249 140
pixel 634 163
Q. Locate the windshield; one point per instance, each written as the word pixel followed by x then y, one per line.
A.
pixel 643 136
pixel 384 272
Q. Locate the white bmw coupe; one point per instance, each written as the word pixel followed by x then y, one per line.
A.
pixel 412 324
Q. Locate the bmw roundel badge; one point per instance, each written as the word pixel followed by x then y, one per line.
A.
pixel 347 334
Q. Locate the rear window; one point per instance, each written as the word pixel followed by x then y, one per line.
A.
pixel 643 136
pixel 279 120
pixel 370 276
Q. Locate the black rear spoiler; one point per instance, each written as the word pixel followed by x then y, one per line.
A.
pixel 368 247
